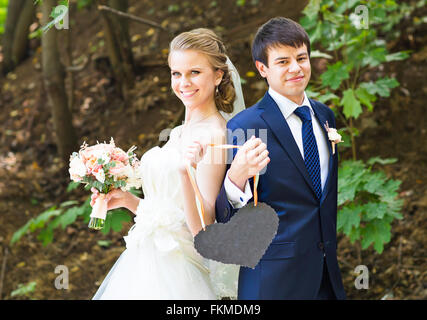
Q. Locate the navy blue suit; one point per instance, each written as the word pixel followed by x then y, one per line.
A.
pixel 292 266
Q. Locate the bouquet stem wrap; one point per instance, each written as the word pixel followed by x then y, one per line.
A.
pixel 99 213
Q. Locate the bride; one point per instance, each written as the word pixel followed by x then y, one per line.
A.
pixel 160 261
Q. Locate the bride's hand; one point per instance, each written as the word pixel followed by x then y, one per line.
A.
pixel 115 198
pixel 193 154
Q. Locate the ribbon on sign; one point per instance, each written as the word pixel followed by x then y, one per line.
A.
pixel 199 202
pixel 242 240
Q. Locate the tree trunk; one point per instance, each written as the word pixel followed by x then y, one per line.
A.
pixel 20 42
pixel 69 58
pixel 119 47
pixel 14 9
pixel 53 76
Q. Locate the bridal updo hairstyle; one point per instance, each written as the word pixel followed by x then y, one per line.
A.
pixel 207 42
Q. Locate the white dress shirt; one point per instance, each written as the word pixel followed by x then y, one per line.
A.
pixel 236 197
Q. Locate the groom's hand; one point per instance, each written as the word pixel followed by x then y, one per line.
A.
pixel 250 159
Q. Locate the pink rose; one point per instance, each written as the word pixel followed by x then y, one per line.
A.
pixel 98 151
pixel 117 169
pixel 91 163
pixel 119 155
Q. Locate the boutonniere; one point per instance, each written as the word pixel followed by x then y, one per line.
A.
pixel 333 136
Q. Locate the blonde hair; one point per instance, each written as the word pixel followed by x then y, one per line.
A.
pixel 207 42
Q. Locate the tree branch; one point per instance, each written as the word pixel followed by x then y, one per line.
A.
pixel 132 17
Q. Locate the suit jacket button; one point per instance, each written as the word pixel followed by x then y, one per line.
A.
pixel 321 246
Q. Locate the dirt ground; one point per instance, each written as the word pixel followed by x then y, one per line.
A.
pixel 33 179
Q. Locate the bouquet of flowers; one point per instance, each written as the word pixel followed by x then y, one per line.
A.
pixel 104 167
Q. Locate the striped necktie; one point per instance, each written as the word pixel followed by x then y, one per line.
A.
pixel 311 153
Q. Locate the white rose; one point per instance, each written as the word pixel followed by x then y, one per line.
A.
pixel 100 175
pixel 105 157
pixel 132 182
pixel 77 168
pixel 128 171
pixel 101 154
pixel 333 135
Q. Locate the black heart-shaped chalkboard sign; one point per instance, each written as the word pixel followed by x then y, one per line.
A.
pixel 243 240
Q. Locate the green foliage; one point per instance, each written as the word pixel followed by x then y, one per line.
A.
pixel 242 3
pixel 173 8
pixel 24 290
pixel 81 4
pixel 352 44
pixel 56 15
pixel 104 243
pixel 51 219
pixel 349 36
pixel 367 203
pixel 3 14
pixel 66 214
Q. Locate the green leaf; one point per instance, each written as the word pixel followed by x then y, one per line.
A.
pixel 381 87
pixel 70 216
pixel 365 97
pixel 348 217
pixel 326 97
pixel 118 218
pixel 46 236
pixel 376 232
pixel 333 17
pixel 375 57
pixel 20 232
pixel 346 5
pixel 104 243
pixel 374 181
pixel 352 107
pixel 83 3
pixel 374 210
pixel 379 160
pixel 312 9
pixel 318 54
pixel 44 217
pixel 68 203
pixel 72 185
pixel 24 290
pixel 345 137
pixel 350 177
pixel 354 234
pixel 114 220
pixel 57 15
pixel 401 55
pixel 315 35
pixel 388 192
pixel 135 192
pixel 311 94
pixel 335 74
pixel 386 84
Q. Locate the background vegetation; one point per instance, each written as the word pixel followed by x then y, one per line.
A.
pixel 66 86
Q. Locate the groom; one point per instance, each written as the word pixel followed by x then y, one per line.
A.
pixel 300 180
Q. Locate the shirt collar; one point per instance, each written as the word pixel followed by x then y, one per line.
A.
pixel 286 106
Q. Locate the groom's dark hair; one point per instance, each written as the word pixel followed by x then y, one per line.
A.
pixel 276 32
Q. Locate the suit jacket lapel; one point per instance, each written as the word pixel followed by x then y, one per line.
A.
pixel 278 125
pixel 321 116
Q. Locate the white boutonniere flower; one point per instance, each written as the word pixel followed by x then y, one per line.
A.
pixel 333 136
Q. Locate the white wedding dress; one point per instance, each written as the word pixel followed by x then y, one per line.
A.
pixel 160 261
